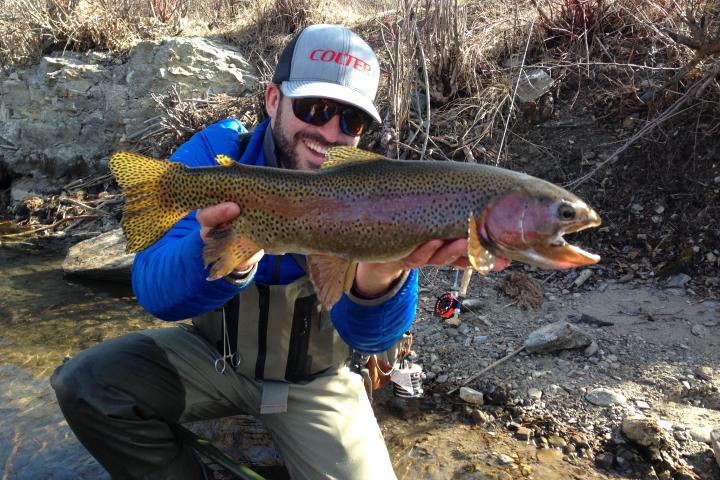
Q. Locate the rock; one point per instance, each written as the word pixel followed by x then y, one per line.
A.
pixel 453 322
pixel 644 432
pixel 471 396
pixel 605 461
pixel 471 305
pixel 524 433
pixel 704 373
pixel 63 116
pixel 582 278
pixel 505 459
pixel 678 281
pixel 102 257
pixel 535 393
pixel 698 330
pixel 557 442
pixel 701 434
pixel 715 439
pixel 591 349
pixel 603 397
pixel 479 416
pixel 556 336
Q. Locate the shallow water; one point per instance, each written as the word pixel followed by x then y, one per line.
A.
pixel 45 317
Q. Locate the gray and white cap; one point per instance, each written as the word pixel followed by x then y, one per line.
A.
pixel 330 61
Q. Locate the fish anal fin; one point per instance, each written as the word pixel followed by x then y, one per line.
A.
pixel 337 156
pixel 225 250
pixel 225 161
pixel 331 276
pixel 480 257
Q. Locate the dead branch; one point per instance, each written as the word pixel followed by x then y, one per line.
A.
pixel 488 368
pixel 47 227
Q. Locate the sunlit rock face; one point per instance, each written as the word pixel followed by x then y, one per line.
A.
pixel 64 116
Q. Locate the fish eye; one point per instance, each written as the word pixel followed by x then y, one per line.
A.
pixel 566 211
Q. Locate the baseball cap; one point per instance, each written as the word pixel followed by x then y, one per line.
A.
pixel 330 61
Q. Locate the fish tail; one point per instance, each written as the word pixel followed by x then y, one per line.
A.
pixel 150 210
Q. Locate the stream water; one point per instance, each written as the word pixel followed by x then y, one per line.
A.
pixel 45 317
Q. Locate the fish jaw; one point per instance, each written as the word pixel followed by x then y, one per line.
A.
pixel 531 230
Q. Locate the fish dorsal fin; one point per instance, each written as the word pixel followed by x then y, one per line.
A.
pixel 225 161
pixel 480 257
pixel 337 156
pixel 331 276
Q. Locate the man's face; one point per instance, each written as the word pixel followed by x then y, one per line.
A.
pixel 304 145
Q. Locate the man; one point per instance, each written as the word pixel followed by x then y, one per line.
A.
pixel 258 345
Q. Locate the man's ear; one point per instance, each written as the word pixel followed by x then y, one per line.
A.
pixel 272 99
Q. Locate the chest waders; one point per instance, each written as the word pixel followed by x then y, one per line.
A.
pixel 276 332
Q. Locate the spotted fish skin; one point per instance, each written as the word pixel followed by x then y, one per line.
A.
pixel 358 207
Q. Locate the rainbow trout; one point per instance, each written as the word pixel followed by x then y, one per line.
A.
pixel 358 206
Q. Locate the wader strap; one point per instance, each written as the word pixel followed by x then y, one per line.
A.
pixel 301 261
pixel 264 307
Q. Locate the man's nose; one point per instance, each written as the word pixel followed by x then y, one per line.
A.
pixel 331 130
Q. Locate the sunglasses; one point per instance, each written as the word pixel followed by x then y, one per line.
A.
pixel 319 111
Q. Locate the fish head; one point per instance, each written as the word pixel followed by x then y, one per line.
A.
pixel 528 226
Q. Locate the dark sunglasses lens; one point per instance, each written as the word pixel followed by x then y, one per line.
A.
pixel 354 122
pixel 314 111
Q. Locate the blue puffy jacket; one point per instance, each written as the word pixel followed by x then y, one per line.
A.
pixel 169 278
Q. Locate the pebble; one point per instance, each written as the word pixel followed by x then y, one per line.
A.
pixel 524 433
pixel 715 439
pixel 557 442
pixel 535 393
pixel 698 330
pixel 442 378
pixel 704 373
pixel 605 461
pixel 642 404
pixel 480 339
pixel 480 417
pixel 471 396
pixel 701 434
pixel 505 459
pixel 603 397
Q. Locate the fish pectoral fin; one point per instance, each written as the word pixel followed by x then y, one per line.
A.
pixel 225 250
pixel 337 156
pixel 480 257
pixel 331 276
pixel 225 161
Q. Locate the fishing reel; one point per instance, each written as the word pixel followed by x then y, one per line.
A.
pixel 446 305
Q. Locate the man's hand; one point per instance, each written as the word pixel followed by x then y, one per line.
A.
pixel 217 216
pixel 374 279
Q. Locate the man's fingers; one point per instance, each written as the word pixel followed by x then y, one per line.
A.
pixel 218 214
pixel 422 254
pixel 212 217
pixel 449 253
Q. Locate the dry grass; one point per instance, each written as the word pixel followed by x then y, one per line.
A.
pixel 462 57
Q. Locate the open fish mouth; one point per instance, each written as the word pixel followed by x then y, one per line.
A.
pixel 558 253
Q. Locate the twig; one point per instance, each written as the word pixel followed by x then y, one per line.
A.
pixel 47 227
pixel 514 92
pixel 427 89
pixel 11 458
pixel 86 207
pixel 489 367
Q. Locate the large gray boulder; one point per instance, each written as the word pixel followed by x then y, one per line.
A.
pixel 100 258
pixel 65 116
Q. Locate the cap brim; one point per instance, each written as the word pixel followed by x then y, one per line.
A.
pixel 332 91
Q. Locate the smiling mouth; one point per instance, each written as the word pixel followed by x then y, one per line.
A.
pixel 316 147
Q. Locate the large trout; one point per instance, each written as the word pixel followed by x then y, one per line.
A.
pixel 358 206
